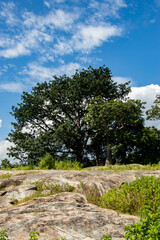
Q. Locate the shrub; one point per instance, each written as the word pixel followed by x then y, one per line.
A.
pixel 33 235
pixel 5 164
pixel 3 235
pixel 47 162
pixel 105 237
pixel 148 228
pixel 132 197
pixel 67 165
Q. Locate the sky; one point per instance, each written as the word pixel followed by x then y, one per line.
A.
pixel 39 39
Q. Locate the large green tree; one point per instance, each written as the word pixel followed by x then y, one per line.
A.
pixel 120 123
pixel 50 119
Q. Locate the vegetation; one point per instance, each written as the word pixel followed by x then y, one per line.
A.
pixel 105 237
pixel 148 228
pixel 154 112
pixel 3 235
pixel 47 162
pixel 132 197
pixel 50 119
pixel 125 167
pixel 86 117
pixel 45 190
pixel 34 235
pixel 7 175
pixel 120 122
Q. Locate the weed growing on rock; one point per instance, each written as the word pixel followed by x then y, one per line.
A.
pixel 3 235
pixel 105 237
pixel 34 235
pixel 54 188
pixel 44 190
pixel 7 175
pixel 132 197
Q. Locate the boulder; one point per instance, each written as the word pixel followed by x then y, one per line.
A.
pixel 66 214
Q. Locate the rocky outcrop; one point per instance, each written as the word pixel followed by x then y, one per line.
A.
pixel 66 214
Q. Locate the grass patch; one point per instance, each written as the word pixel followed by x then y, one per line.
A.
pixel 67 165
pixel 132 197
pixel 25 168
pixel 116 167
pixel 45 190
pixel 7 175
pixel 92 193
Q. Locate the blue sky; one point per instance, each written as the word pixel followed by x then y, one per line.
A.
pixel 39 39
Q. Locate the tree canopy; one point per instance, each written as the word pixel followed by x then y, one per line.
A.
pixel 86 117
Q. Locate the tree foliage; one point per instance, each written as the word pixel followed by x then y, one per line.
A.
pixel 121 124
pixel 84 117
pixel 154 112
pixel 50 119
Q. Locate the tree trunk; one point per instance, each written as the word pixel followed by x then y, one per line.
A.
pixel 108 155
pixel 108 146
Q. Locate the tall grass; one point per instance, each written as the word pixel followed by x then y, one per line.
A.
pixel 132 197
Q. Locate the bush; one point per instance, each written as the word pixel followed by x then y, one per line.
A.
pixel 67 165
pixel 148 228
pixel 47 162
pixel 3 235
pixel 132 197
pixel 5 164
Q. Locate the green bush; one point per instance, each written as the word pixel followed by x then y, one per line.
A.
pixel 148 228
pixel 47 162
pixel 67 165
pixel 3 235
pixel 132 197
pixel 33 235
pixel 5 164
pixel 105 237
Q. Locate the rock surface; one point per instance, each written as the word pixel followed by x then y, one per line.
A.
pixel 66 214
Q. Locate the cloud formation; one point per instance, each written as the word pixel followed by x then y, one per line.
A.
pixel 123 80
pixel 146 94
pixel 12 87
pixel 3 149
pixel 48 32
pixel 0 123
pixel 41 73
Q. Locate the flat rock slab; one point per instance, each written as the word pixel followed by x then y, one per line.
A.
pixel 62 215
pixel 66 214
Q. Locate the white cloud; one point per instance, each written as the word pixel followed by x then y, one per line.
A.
pixel 12 87
pixel 120 80
pixel 38 33
pixel 0 123
pixel 54 19
pixel 31 40
pixel 103 9
pixel 42 73
pixel 47 4
pixel 146 94
pixel 8 13
pixel 3 148
pixel 87 38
